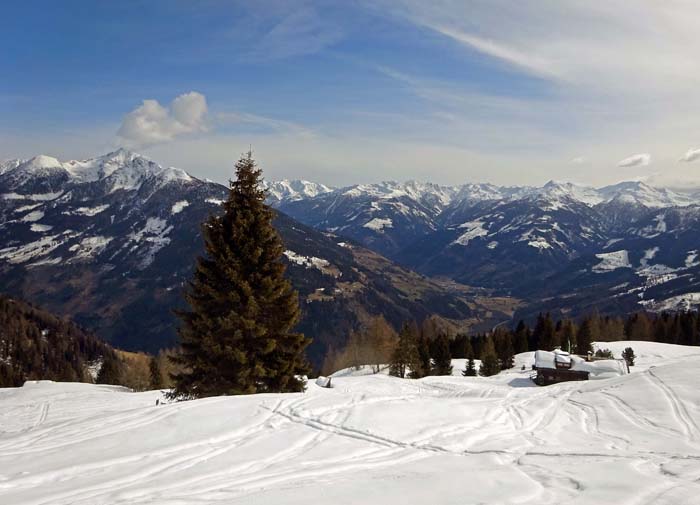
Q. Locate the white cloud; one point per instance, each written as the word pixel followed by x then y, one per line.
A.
pixel 151 123
pixel 578 161
pixel 636 160
pixel 691 155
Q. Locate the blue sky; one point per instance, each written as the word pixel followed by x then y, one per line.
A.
pixel 359 91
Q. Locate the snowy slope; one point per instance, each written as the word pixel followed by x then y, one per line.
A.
pixel 445 440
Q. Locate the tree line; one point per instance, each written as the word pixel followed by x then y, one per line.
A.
pixel 416 352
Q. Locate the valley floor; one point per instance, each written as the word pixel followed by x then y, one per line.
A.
pixel 631 440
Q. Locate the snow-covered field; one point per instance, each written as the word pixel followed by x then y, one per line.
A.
pixel 633 440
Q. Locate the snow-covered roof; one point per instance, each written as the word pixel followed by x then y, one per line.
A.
pixel 547 359
pixel 597 368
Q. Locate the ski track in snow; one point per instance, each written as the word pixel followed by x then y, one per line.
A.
pixel 632 440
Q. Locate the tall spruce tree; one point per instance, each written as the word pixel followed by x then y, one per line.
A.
pixel 236 337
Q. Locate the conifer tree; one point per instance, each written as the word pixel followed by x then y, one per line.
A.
pixel 638 327
pixel 236 337
pixel 489 360
pixel 586 336
pixel 111 371
pixel 156 375
pixel 405 355
pixel 468 349
pixel 504 349
pixel 544 332
pixel 424 361
pixel 533 342
pixel 470 369
pixel 522 334
pixel 442 359
pixel 628 356
pixel 568 335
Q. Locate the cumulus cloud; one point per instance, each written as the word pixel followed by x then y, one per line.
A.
pixel 151 123
pixel 579 161
pixel 691 155
pixel 636 160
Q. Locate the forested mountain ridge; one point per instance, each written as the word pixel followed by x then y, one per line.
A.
pixel 37 345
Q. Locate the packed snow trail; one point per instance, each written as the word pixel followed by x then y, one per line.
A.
pixel 630 440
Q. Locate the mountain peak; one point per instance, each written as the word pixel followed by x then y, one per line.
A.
pixel 294 189
pixel 42 161
pixel 121 154
pixel 120 169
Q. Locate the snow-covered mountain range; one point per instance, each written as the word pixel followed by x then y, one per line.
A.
pixel 390 216
pixel 120 230
pixel 111 241
pixel 514 239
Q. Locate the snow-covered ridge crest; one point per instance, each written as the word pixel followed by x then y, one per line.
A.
pixel 120 169
pixel 554 194
pixel 296 189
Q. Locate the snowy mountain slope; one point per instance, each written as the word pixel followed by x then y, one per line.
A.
pixel 653 266
pixel 508 244
pixel 637 192
pixel 384 217
pixel 633 439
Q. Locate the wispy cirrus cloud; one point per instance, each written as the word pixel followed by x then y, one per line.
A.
pixel 527 61
pixel 301 31
pixel 260 124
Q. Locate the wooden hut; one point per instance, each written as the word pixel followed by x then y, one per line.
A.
pixel 558 366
